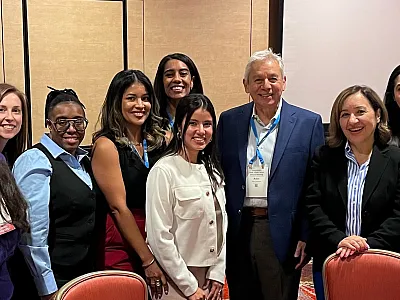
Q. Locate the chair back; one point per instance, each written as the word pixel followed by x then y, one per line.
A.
pixel 372 275
pixel 104 285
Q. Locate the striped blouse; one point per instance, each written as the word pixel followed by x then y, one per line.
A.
pixel 355 187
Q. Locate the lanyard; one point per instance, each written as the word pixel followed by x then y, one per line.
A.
pixel 145 158
pixel 258 142
pixel 171 120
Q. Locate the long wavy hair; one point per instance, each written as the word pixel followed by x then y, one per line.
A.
pixel 391 104
pixel 159 82
pixel 209 156
pixel 111 120
pixel 15 146
pixel 11 199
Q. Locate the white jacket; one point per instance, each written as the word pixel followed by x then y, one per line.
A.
pixel 181 221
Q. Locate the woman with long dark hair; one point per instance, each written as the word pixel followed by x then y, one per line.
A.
pixel 55 178
pixel 186 220
pixel 177 76
pixel 392 103
pixel 13 221
pixel 125 147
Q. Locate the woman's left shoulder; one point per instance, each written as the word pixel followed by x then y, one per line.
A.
pixel 391 151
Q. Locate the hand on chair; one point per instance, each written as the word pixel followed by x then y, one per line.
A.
pixel 350 245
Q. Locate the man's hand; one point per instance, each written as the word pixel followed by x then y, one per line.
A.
pixel 300 252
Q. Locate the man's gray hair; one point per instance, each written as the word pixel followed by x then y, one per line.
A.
pixel 266 54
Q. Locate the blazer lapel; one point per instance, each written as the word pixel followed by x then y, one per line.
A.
pixel 377 166
pixel 243 123
pixel 341 166
pixel 286 125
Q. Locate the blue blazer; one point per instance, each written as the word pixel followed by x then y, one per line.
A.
pixel 300 132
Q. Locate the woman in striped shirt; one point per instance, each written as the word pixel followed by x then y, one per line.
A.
pixel 354 199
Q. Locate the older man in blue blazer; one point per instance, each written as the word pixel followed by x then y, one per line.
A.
pixel 266 148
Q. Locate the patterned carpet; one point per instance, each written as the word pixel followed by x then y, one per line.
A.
pixel 306 290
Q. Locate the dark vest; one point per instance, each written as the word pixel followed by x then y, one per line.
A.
pixel 72 220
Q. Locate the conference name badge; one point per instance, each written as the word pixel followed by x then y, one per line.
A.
pixel 257 181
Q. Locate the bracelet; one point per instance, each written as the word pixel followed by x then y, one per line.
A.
pixel 149 264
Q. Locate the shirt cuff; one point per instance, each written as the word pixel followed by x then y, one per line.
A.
pixel 46 284
pixel 216 275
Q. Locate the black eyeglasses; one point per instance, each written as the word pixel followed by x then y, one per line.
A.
pixel 62 125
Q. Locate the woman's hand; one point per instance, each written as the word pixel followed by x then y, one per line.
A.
pixel 350 245
pixel 215 288
pixel 156 279
pixel 198 295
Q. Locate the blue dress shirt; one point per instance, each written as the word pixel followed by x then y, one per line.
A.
pixel 356 175
pixel 32 172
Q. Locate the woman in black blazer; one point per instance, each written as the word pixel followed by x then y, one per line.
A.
pixel 354 200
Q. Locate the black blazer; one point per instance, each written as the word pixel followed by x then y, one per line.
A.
pixel 326 201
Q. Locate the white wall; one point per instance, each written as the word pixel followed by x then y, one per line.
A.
pixel 330 45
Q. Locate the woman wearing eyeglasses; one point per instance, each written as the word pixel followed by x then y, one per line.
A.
pixel 55 178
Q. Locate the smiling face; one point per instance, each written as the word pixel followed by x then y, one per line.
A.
pixel 198 133
pixel 70 138
pixel 136 104
pixel 265 83
pixel 10 116
pixel 177 79
pixel 358 120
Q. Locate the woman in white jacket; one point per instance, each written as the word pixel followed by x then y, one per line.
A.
pixel 186 220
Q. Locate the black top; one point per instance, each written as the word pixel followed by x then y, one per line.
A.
pixel 134 173
pixel 72 220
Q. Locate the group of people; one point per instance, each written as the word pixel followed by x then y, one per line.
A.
pixel 168 194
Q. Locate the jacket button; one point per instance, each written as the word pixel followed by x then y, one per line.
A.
pixel 365 214
pixel 239 212
pixel 211 222
pixel 208 194
pixel 212 250
pixel 243 186
pixel 90 221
